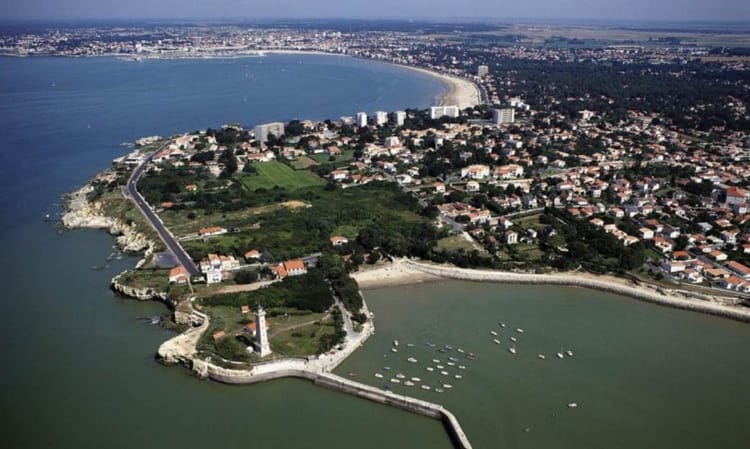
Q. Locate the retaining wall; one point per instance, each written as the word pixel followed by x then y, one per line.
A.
pixel 657 296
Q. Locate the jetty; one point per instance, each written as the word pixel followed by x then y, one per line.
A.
pixel 317 369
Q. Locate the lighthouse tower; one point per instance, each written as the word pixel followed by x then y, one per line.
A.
pixel 261 335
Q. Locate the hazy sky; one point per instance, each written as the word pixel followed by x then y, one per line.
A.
pixel 543 9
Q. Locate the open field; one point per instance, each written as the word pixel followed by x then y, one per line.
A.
pixel 180 224
pixel 271 174
pixel 454 243
pixel 592 35
pixel 303 163
pixel 301 341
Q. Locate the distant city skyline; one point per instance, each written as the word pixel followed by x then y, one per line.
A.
pixel 642 10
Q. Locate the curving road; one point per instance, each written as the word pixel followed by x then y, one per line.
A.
pixel 166 236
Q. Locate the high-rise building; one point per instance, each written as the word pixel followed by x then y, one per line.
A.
pixel 381 118
pixel 501 116
pixel 262 347
pixel 361 119
pixel 263 131
pixel 398 118
pixel 483 70
pixel 444 111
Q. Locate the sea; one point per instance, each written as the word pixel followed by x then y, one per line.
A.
pixel 78 367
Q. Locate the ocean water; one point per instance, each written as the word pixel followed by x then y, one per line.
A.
pixel 78 365
pixel 77 362
pixel 642 375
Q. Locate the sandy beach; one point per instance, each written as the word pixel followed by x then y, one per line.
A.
pixel 460 92
pixel 388 275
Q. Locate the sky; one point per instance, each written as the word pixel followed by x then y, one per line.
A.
pixel 652 10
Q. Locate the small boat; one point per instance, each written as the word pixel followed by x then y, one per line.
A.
pixel 394 350
pixel 410 345
pixel 155 320
pixel 444 373
pixel 460 350
pixel 400 376
pixel 435 361
pixel 496 341
pixel 416 379
pixel 502 325
pixel 512 349
pixel 439 390
pixel 560 354
pixel 378 375
pixel 352 374
pixel 461 366
pixel 442 350
pixel 447 386
pixel 431 344
pixel 572 405
pixel 409 383
pixel 412 360
pixel 569 353
pixel 493 333
pixel 451 364
pixel 513 339
pixel 439 366
pixel 395 381
pixel 425 387
pixel 541 356
pixel 453 359
pixel 430 369
pixel 395 342
pixel 471 354
pixel 448 347
pixel 458 376
pixel 519 330
pixel 387 368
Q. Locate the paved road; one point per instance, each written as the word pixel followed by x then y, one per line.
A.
pixel 167 237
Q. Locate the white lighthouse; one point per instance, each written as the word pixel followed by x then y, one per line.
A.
pixel 261 336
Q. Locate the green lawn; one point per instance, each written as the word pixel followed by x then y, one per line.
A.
pixel 301 341
pixel 303 163
pixel 454 243
pixel 274 173
pixel 340 161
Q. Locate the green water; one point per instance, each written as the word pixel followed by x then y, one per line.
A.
pixel 643 375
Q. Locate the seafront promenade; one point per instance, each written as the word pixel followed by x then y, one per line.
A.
pixel 611 285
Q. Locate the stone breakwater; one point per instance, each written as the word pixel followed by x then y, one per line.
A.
pixel 182 349
pixel 653 295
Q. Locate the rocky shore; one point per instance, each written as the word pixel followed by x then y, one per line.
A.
pixel 84 214
pixel 81 213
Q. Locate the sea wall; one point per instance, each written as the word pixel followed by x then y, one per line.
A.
pixel 649 294
pixel 296 368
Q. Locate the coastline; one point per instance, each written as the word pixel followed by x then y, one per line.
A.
pixel 406 271
pixel 458 91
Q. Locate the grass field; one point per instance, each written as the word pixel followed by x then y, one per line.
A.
pixel 301 341
pixel 274 173
pixel 303 163
pixel 341 160
pixel 454 243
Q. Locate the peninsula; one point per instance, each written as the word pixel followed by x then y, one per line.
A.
pixel 261 238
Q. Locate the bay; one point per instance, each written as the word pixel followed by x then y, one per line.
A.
pixel 642 375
